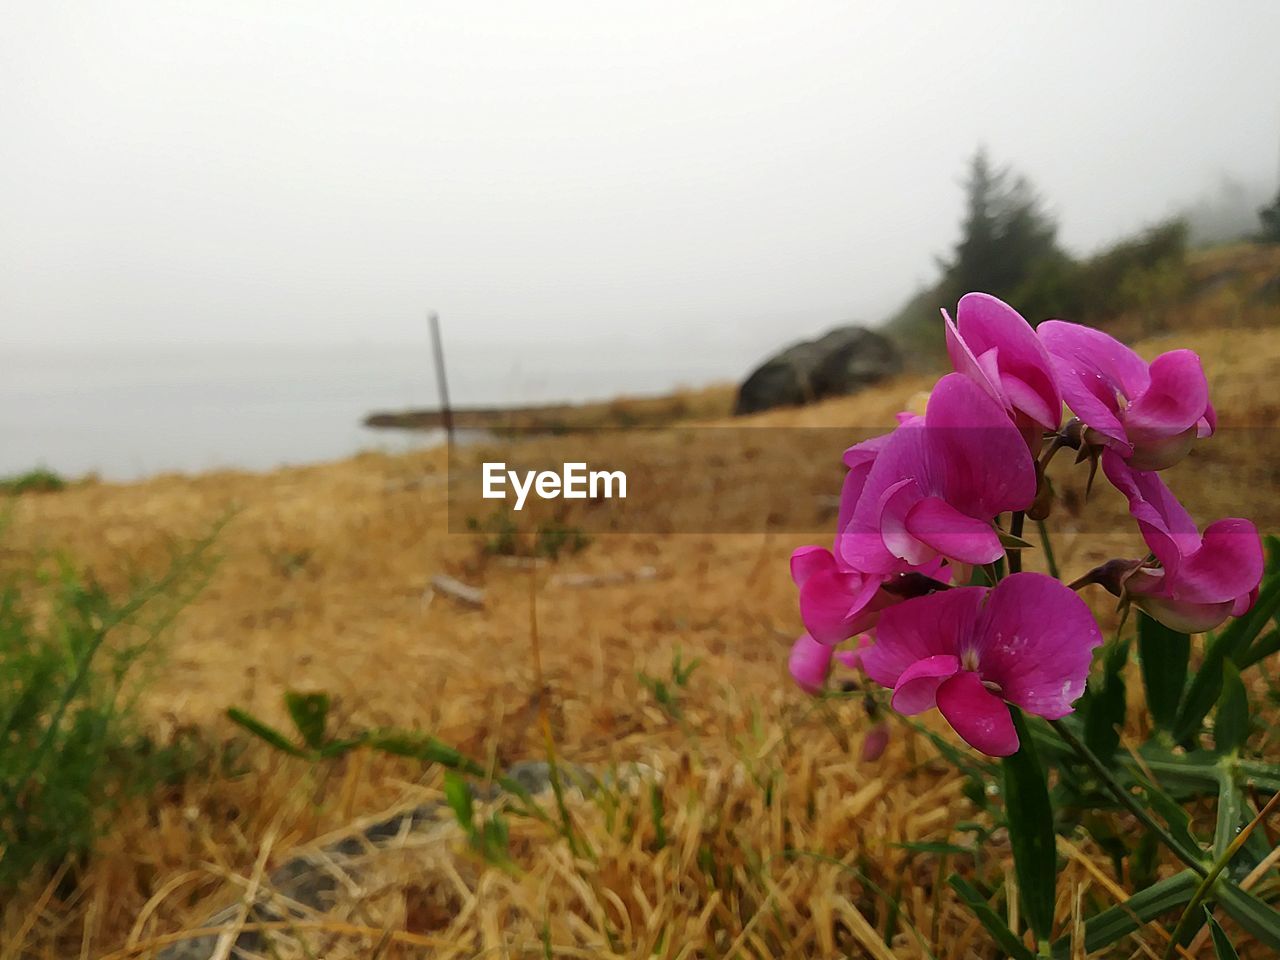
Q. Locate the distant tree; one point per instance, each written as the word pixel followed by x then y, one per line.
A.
pixel 1006 236
pixel 1270 217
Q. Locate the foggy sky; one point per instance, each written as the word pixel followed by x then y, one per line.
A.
pixel 270 171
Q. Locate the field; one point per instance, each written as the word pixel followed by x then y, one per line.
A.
pixel 765 832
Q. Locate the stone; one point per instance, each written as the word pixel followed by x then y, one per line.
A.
pixel 840 362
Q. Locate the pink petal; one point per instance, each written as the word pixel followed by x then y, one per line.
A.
pixel 1166 526
pixel 920 628
pixel 914 692
pixel 1035 640
pixel 1026 375
pixel 979 716
pixel 834 603
pixel 1228 564
pixel 807 561
pixel 965 361
pixel 941 527
pixel 1182 616
pixel 1091 367
pixel 809 663
pixel 966 433
pixel 1175 399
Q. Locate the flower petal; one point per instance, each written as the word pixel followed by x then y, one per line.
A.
pixel 1174 401
pixel 809 663
pixel 966 432
pixel 1228 564
pixel 979 716
pixel 1027 380
pixel 920 628
pixel 954 535
pixel 1166 526
pixel 914 692
pixel 1035 640
pixel 1091 367
pixel 835 604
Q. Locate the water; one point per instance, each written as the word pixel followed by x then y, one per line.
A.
pixel 125 413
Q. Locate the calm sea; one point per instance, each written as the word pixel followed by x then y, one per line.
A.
pixel 131 412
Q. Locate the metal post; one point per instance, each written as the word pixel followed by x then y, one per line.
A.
pixel 442 383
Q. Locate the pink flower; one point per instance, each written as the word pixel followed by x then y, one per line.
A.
pixel 836 602
pixel 810 661
pixel 992 344
pixel 1196 581
pixel 969 651
pixel 1150 414
pixel 935 485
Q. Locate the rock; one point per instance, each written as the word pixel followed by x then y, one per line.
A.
pixel 840 362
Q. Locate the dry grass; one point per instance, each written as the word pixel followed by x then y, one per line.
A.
pixel 780 841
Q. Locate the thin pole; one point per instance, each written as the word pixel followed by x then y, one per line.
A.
pixel 442 382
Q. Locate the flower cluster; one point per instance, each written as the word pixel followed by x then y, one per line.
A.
pixel 921 510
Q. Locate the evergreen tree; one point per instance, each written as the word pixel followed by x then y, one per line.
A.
pixel 1270 217
pixel 1006 235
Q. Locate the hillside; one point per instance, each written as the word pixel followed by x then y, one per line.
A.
pixel 324 582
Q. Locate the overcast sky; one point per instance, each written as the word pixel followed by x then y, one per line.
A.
pixel 250 171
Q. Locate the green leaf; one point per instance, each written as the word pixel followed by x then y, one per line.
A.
pixel 425 748
pixel 1005 938
pixel 1221 945
pixel 457 795
pixel 1203 692
pixel 1030 820
pixel 1264 648
pixel 1106 708
pixel 1116 923
pixel 1231 724
pixel 1259 919
pixel 310 712
pixel 1163 654
pixel 264 732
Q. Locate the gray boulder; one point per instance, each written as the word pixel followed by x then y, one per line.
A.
pixel 840 362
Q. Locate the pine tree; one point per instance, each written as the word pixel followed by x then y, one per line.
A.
pixel 1270 217
pixel 1006 235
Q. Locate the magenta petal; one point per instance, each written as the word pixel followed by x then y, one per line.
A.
pixel 920 628
pixel 807 561
pixel 1174 401
pixel 979 716
pixel 1183 616
pixel 954 535
pixel 1228 564
pixel 1090 368
pixel 1026 375
pixel 968 432
pixel 1035 641
pixel 834 606
pixel 965 361
pixel 1169 530
pixel 916 687
pixel 809 663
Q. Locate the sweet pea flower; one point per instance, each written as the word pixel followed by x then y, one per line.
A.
pixel 970 651
pixel 1196 581
pixel 1149 413
pixel 935 486
pixel 810 661
pixel 992 344
pixel 837 602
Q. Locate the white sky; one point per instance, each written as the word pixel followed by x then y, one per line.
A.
pixel 691 172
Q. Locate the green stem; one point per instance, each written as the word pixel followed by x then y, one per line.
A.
pixel 1206 884
pixel 1126 798
pixel 1047 544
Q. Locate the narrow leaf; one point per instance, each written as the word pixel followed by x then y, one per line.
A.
pixel 1221 945
pixel 1106 708
pixel 1030 820
pixel 1118 922
pixel 1005 938
pixel 1163 653
pixel 310 712
pixel 458 797
pixel 1259 919
pixel 1231 724
pixel 264 731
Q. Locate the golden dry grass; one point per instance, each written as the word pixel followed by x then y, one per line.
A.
pixel 323 583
